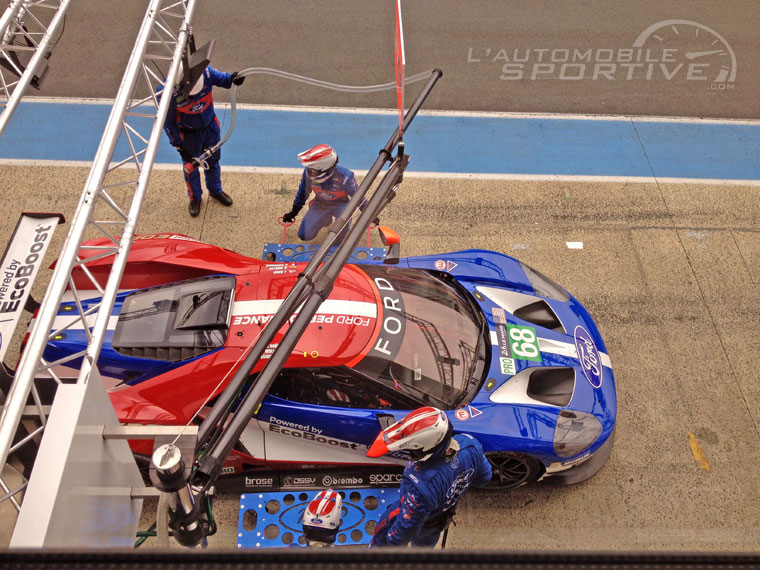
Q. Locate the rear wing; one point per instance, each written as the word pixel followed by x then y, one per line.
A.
pixel 21 262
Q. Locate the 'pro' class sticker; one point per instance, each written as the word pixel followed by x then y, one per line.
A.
pixel 507 366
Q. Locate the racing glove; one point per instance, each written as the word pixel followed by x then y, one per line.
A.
pixel 237 79
pixel 184 154
pixel 291 216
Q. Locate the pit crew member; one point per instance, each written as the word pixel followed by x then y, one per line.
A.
pixel 192 127
pixel 333 186
pixel 441 470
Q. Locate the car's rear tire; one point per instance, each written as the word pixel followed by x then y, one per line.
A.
pixel 512 469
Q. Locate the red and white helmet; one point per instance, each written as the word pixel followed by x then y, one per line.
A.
pixel 320 162
pixel 322 518
pixel 421 433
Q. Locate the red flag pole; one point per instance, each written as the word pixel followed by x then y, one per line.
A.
pixel 400 59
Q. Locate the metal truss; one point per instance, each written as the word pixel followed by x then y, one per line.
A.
pixel 108 208
pixel 26 31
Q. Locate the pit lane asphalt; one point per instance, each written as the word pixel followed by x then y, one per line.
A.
pixel 670 273
pixel 352 43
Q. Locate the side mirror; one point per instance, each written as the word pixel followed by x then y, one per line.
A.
pixel 388 236
pixel 392 241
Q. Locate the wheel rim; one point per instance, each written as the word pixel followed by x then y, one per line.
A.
pixel 510 470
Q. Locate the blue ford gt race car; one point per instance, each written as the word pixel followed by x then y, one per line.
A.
pixel 511 356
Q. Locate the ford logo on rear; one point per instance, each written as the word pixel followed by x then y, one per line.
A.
pixel 589 357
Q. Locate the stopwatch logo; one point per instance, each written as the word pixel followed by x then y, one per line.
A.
pixel 703 48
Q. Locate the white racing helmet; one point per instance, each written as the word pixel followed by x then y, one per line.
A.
pixel 322 518
pixel 421 433
pixel 320 162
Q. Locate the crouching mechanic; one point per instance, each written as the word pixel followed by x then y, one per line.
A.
pixel 322 519
pixel 333 186
pixel 192 127
pixel 441 470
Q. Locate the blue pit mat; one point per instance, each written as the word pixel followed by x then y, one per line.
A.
pixel 289 252
pixel 268 520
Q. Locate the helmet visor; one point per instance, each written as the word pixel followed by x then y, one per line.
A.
pixel 317 175
pixel 315 533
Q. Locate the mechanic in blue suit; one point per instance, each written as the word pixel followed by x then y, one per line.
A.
pixel 442 469
pixel 192 126
pixel 333 186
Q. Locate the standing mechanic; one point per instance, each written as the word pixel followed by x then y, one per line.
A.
pixel 441 470
pixel 333 186
pixel 192 127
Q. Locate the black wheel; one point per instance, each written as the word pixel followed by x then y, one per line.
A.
pixel 512 469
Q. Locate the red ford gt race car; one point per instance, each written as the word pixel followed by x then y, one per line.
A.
pixel 512 357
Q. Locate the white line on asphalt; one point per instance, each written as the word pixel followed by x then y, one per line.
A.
pixel 412 174
pixel 432 113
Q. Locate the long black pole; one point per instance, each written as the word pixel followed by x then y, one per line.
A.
pixel 211 426
pixel 211 462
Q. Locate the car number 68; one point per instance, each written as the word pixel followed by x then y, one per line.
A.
pixel 523 343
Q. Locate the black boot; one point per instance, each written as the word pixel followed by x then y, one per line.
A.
pixel 223 197
pixel 195 207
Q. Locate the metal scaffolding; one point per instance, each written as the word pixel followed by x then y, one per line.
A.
pixel 25 45
pixel 109 208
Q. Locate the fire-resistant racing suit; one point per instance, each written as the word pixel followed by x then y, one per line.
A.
pixel 192 126
pixel 331 198
pixel 430 491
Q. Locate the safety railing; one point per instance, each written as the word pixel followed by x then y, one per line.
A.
pixel 109 208
pixel 27 30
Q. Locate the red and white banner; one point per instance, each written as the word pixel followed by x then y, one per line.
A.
pixel 400 63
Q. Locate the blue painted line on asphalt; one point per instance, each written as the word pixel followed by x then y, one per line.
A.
pixel 437 143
